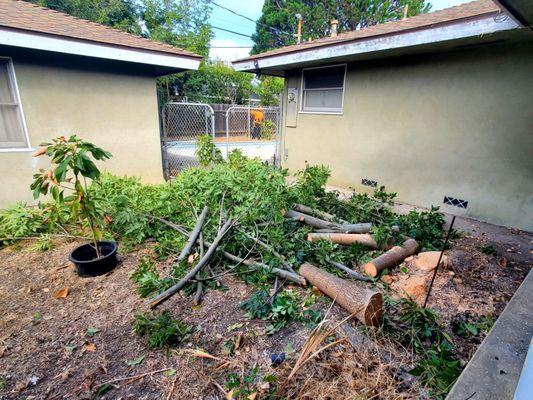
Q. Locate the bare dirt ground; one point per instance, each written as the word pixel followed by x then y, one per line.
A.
pixel 47 352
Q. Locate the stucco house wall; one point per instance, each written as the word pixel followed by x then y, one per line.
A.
pixel 113 105
pixel 449 124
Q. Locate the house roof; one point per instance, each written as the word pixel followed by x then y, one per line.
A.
pixel 452 14
pixel 24 16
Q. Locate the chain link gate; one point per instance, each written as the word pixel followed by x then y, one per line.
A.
pixel 255 131
pixel 182 124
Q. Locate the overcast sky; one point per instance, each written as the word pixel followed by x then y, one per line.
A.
pixel 232 44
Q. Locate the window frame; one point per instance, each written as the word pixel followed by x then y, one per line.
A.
pixel 301 109
pixel 13 80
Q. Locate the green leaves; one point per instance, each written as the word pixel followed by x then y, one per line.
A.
pixel 160 329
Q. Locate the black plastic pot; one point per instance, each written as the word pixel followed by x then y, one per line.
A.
pixel 84 258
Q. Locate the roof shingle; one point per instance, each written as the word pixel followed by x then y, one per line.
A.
pixel 464 11
pixel 21 15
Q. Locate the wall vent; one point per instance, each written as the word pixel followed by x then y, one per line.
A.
pixel 451 201
pixel 369 182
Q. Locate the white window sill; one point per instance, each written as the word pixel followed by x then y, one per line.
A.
pixel 17 150
pixel 322 112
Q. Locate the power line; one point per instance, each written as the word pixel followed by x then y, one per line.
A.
pixel 250 19
pixel 227 30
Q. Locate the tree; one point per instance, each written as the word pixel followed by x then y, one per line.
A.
pixel 120 14
pixel 215 82
pixel 269 90
pixel 277 25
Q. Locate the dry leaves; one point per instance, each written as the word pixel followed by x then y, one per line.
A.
pixel 61 293
pixel 89 347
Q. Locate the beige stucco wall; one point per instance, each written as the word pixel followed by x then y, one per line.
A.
pixel 112 106
pixel 458 124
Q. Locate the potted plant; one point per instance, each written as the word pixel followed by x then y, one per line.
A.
pixel 66 181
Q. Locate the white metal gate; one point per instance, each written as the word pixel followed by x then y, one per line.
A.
pixel 182 124
pixel 255 131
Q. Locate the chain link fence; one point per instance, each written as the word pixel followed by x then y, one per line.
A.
pixel 255 131
pixel 252 129
pixel 182 124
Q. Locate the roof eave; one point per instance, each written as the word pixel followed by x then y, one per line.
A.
pixel 37 41
pixel 450 31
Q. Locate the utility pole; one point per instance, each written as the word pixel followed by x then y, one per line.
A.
pixel 299 29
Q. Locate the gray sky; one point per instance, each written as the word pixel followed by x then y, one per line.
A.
pixel 252 8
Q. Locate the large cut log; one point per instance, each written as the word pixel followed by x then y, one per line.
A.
pixel 391 258
pixel 317 213
pixel 321 224
pixel 344 238
pixel 364 303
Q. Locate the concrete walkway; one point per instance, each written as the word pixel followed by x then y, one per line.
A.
pixel 494 370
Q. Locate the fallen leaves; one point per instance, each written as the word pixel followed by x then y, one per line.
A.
pixel 92 331
pixel 61 293
pixel 136 361
pixel 89 347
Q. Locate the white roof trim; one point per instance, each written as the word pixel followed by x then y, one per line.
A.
pixel 92 49
pixel 458 30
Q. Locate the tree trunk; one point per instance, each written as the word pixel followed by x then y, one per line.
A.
pixel 364 303
pixel 321 224
pixel 391 258
pixel 345 238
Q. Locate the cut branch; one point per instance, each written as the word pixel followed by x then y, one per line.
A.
pixel 321 224
pixel 193 236
pixel 201 263
pixel 360 301
pixel 391 258
pixel 270 249
pixel 251 263
pixel 317 213
pixel 350 272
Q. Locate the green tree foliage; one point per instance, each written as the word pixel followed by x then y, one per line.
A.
pixel 277 24
pixel 215 82
pixel 269 90
pixel 178 23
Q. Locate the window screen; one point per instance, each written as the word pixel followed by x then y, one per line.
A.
pixel 12 133
pixel 323 89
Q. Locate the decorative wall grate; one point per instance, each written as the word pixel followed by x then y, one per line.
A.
pixel 451 201
pixel 369 182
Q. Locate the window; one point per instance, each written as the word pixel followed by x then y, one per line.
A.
pixel 12 129
pixel 323 89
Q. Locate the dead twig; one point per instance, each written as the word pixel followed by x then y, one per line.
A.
pixel 193 236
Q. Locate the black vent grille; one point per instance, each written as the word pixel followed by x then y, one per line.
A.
pixel 369 182
pixel 451 201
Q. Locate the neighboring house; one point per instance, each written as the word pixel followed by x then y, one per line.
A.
pixel 61 75
pixel 435 107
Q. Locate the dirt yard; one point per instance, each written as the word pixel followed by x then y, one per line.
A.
pixel 68 347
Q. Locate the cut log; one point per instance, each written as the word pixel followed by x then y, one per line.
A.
pixel 364 303
pixel 321 224
pixel 317 213
pixel 391 258
pixel 345 238
pixel 193 236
